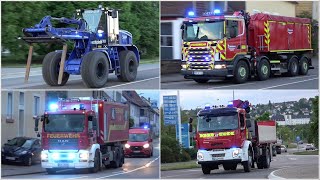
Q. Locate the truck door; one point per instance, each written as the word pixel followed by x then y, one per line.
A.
pixel 235 38
pixel 242 127
pixel 105 126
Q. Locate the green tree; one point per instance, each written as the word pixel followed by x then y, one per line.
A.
pixel 265 116
pixel 314 123
pixel 131 122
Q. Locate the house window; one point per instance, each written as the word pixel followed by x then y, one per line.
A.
pixel 9 106
pixel 36 107
pixel 21 98
pixel 141 112
pixel 166 40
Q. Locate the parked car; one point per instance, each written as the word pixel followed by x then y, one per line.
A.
pixel 23 150
pixel 310 147
pixel 283 148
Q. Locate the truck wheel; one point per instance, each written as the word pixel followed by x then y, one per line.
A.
pixel 260 163
pixel 50 69
pixel 95 69
pixel 234 166
pixel 96 161
pixel 201 81
pixel 267 159
pixel 263 70
pixel 226 167
pixel 128 66
pixel 51 171
pixel 205 169
pixel 122 159
pixel 116 162
pixel 241 72
pixel 303 66
pixel 293 68
pixel 247 164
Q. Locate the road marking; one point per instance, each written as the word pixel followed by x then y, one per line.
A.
pixel 232 85
pixel 303 77
pixel 193 170
pixel 293 159
pixel 130 83
pixel 78 177
pixel 288 83
pixel 142 167
pixel 176 175
pixel 16 75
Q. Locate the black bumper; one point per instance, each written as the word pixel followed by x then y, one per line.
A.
pixel 207 74
pixel 232 161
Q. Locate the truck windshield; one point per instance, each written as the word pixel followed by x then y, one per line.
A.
pixel 138 137
pixel 219 123
pixel 92 17
pixel 203 31
pixel 64 123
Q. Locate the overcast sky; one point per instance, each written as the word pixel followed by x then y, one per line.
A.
pixel 191 99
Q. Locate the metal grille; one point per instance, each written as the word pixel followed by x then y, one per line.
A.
pixel 136 148
pixel 218 155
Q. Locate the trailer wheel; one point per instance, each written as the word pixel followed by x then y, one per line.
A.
pixel 128 66
pixel 267 159
pixel 247 164
pixel 201 81
pixel 303 66
pixel 241 72
pixel 205 169
pixel 263 70
pixel 96 161
pixel 293 67
pixel 95 69
pixel 51 171
pixel 50 69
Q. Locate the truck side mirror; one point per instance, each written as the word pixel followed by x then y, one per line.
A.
pixel 190 120
pixel 36 123
pixel 248 123
pixel 38 134
pixel 94 123
pixel 114 14
pixel 190 127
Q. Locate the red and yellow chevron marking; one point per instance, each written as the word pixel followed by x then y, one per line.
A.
pixel 267 33
pixel 221 48
pixel 309 36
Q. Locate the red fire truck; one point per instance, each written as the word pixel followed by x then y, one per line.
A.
pixel 241 46
pixel 78 133
pixel 227 136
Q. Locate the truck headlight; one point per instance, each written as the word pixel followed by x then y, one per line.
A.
pixel 146 146
pixel 235 153
pixel 84 155
pixel 184 66
pixel 217 57
pixel 44 156
pixel 220 66
pixel 127 146
pixel 199 156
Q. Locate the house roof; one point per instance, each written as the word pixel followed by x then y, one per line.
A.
pixel 133 97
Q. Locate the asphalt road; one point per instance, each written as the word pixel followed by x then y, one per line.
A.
pixel 13 78
pixel 133 168
pixel 282 162
pixel 309 81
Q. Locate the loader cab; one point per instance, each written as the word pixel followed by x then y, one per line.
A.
pixel 104 24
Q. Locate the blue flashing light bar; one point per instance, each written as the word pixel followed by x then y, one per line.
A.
pixel 207 106
pixel 217 11
pixel 53 107
pixel 191 13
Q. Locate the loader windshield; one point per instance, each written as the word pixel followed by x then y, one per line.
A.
pixel 64 123
pixel 92 17
pixel 203 31
pixel 217 123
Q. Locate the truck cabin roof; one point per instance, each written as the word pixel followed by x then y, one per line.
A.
pixel 70 111
pixel 210 18
pixel 218 111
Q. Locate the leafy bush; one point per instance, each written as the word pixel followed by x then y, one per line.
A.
pixel 192 153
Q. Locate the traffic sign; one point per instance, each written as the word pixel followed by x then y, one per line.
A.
pixel 170 110
pixel 298 138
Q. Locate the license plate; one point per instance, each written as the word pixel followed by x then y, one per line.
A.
pixel 136 151
pixel 198 72
pixel 11 158
pixel 63 165
pixel 217 158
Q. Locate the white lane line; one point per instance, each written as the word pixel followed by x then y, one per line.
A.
pixel 130 83
pixel 303 77
pixel 177 175
pixel 78 177
pixel 20 76
pixel 288 83
pixel 232 85
pixel 142 167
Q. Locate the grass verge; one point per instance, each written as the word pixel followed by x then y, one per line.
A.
pixel 179 165
pixel 307 153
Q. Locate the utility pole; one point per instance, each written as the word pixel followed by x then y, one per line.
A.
pixel 179 118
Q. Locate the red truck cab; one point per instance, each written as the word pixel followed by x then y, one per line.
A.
pixel 139 143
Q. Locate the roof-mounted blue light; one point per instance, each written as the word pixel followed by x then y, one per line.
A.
pixel 217 11
pixel 230 104
pixel 53 107
pixel 191 13
pixel 207 106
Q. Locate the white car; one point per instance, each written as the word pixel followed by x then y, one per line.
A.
pixel 283 148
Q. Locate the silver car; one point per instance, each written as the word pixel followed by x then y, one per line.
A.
pixel 283 148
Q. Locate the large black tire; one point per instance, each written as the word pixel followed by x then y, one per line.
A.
pixel 128 66
pixel 51 171
pixel 226 167
pixel 263 70
pixel 241 72
pixel 260 162
pixel 96 161
pixel 293 67
pixel 95 69
pixel 122 158
pixel 50 69
pixel 234 166
pixel 201 81
pixel 205 169
pixel 303 66
pixel 267 159
pixel 248 164
pixel 116 162
pixel 28 161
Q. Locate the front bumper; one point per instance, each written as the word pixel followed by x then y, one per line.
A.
pixel 65 162
pixel 142 152
pixel 190 74
pixel 14 158
pixel 219 157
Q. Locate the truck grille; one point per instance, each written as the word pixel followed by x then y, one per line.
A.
pixel 136 148
pixel 218 155
pixel 197 58
pixel 217 150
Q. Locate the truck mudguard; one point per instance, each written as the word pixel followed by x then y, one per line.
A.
pixel 245 148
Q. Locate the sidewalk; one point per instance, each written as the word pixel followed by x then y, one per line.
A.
pixel 298 172
pixel 173 77
pixel 13 170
